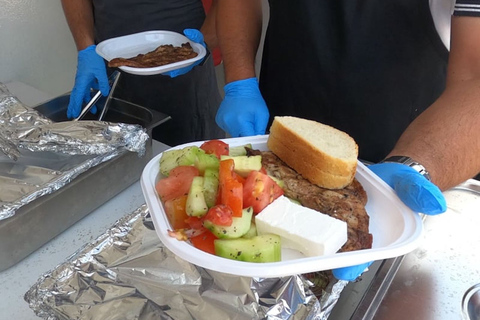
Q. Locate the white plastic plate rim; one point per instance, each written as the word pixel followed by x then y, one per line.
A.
pixel 407 239
pixel 133 44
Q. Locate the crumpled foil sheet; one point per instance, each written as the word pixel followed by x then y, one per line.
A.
pixel 127 273
pixel 40 156
pixel 24 127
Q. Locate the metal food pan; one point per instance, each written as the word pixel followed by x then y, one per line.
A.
pixel 37 222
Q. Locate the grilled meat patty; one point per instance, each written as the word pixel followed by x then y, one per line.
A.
pixel 347 204
pixel 162 55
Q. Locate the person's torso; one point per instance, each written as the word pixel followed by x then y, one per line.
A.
pixel 115 18
pixel 366 67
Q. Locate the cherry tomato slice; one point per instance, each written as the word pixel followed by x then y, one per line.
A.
pixel 176 213
pixel 259 191
pixel 177 183
pixel 216 147
pixel 220 215
pixel 230 189
pixel 204 242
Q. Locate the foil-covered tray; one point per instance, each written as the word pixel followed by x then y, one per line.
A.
pixel 127 273
pixel 53 172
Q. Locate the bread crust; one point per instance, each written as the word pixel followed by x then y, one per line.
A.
pixel 315 165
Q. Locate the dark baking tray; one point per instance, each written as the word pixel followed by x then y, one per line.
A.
pixel 38 222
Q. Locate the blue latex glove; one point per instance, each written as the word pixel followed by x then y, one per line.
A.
pixel 91 73
pixel 350 273
pixel 413 189
pixel 195 36
pixel 243 112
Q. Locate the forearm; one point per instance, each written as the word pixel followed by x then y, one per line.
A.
pixel 445 138
pixel 79 15
pixel 208 27
pixel 239 27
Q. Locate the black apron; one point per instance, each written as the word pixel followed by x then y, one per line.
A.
pixel 192 99
pixel 367 67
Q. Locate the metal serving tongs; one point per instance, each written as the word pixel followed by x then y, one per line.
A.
pixel 112 80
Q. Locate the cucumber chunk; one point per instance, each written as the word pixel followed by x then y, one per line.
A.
pixel 210 186
pixel 263 248
pixel 245 164
pixel 204 161
pixel 181 157
pixel 280 182
pixel 239 150
pixel 252 232
pixel 196 205
pixel 239 227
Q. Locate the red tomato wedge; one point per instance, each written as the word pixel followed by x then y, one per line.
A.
pixel 259 191
pixel 232 196
pixel 216 147
pixel 204 242
pixel 231 191
pixel 194 223
pixel 177 184
pixel 220 215
pixel 225 171
pixel 175 211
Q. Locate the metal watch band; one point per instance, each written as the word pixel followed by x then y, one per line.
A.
pixel 411 163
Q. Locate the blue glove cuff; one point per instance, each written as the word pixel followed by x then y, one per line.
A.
pixel 87 49
pixel 243 88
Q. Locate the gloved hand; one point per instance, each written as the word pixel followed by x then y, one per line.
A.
pixel 413 189
pixel 91 73
pixel 195 36
pixel 243 112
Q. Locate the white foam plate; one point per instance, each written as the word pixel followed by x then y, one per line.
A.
pixel 131 45
pixel 395 228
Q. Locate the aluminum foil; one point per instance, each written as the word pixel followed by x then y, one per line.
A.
pixel 127 273
pixel 40 156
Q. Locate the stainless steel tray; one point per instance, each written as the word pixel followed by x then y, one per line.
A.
pixel 42 219
pixel 430 282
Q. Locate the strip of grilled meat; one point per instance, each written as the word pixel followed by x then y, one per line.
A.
pixel 162 55
pixel 347 204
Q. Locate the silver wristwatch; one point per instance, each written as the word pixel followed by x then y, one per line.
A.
pixel 411 163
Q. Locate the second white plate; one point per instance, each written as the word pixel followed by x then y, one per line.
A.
pixel 131 45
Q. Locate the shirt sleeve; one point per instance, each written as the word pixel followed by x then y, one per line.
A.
pixel 467 8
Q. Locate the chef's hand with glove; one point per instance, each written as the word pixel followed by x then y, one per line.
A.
pixel 243 112
pixel 195 36
pixel 91 73
pixel 413 189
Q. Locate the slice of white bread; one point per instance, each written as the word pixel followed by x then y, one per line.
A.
pixel 322 154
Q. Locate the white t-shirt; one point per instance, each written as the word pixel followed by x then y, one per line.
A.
pixel 442 11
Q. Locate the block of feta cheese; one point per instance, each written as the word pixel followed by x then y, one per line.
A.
pixel 300 228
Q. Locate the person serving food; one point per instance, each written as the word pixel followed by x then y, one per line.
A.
pixel 190 96
pixel 380 71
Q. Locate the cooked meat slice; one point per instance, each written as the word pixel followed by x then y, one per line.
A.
pixel 162 55
pixel 347 204
pixel 120 62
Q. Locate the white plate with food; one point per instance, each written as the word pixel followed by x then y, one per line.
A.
pixel 142 43
pixel 396 230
